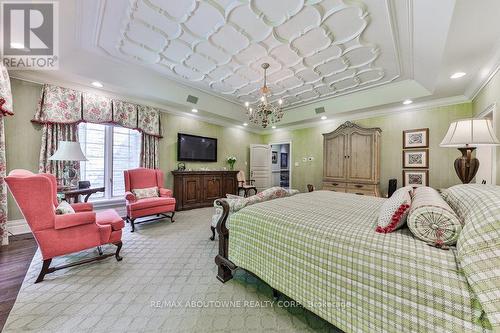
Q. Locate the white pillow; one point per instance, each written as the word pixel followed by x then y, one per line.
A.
pixel 64 208
pixel 394 211
pixel 142 193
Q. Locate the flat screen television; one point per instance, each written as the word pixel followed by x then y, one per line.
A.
pixel 196 148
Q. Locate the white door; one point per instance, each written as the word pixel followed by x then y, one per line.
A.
pixel 260 166
pixel 487 154
pixel 485 171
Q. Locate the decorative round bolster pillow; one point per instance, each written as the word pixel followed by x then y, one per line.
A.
pixel 431 219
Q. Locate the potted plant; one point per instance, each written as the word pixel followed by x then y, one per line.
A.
pixel 231 160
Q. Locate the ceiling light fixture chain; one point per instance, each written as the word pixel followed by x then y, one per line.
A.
pixel 265 112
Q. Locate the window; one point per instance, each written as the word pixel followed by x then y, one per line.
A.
pixel 110 150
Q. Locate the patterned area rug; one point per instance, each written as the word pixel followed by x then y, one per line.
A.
pixel 166 282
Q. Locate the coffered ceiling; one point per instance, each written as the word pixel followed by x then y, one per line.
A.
pixel 315 48
pixel 348 56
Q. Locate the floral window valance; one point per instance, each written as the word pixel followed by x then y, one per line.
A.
pixel 96 109
pixel 60 105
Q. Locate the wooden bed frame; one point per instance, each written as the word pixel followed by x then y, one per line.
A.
pixel 226 266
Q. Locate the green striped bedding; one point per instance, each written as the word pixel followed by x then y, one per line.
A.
pixel 321 249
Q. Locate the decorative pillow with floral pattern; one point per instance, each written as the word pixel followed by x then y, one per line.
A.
pixel 236 202
pixel 142 193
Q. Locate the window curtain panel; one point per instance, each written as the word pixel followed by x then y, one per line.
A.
pixel 51 135
pixel 149 151
pixel 5 110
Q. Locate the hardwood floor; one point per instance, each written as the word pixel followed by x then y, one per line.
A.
pixel 15 259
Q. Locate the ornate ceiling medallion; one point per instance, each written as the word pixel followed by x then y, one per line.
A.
pixel 266 112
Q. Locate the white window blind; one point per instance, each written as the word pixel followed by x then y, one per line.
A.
pixel 110 150
pixel 126 154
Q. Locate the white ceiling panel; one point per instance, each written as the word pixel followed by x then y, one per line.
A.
pixel 222 44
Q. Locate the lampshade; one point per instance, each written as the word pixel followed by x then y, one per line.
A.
pixel 68 151
pixel 470 133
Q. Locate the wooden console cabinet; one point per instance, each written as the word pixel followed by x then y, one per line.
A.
pixel 195 189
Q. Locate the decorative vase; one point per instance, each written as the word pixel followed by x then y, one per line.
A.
pixel 231 166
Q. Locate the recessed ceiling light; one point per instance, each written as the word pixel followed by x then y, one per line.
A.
pixel 194 110
pixel 273 127
pixel 457 75
pixel 97 84
pixel 407 101
pixel 324 117
pixel 245 124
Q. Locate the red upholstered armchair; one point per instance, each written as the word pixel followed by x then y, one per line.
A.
pixel 142 178
pixel 56 235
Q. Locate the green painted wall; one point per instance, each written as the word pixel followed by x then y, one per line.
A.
pixel 23 139
pixel 309 142
pixel 230 142
pixel 488 95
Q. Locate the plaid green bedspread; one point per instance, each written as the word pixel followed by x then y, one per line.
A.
pixel 321 249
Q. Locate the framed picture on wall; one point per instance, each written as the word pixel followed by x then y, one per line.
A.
pixel 284 160
pixel 274 157
pixel 416 138
pixel 416 177
pixel 416 158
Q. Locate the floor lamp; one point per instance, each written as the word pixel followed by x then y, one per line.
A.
pixel 466 135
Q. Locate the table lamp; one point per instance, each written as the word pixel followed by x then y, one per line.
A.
pixel 68 151
pixel 467 135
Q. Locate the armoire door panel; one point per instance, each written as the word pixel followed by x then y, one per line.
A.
pixel 360 161
pixel 335 157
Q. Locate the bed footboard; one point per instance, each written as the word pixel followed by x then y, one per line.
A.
pixel 222 261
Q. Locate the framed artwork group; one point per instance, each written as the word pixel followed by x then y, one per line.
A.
pixel 416 157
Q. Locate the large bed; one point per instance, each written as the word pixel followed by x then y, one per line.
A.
pixel 321 249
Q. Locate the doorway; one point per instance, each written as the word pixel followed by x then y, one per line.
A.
pixel 281 170
pixel 486 174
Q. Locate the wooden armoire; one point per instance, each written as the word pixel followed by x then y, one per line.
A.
pixel 351 160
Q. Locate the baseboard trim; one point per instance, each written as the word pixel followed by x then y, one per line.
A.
pixel 18 227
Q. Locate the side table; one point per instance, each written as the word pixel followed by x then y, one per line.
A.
pixel 75 193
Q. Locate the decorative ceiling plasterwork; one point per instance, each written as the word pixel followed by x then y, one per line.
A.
pixel 316 48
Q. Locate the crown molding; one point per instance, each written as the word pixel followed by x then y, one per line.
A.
pixel 379 112
pixel 215 120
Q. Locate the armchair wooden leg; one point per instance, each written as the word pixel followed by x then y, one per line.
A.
pixel 213 233
pixel 99 250
pixel 117 253
pixel 172 217
pixel 45 270
pixel 132 225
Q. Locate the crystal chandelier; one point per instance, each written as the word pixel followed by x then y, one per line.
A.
pixel 266 112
